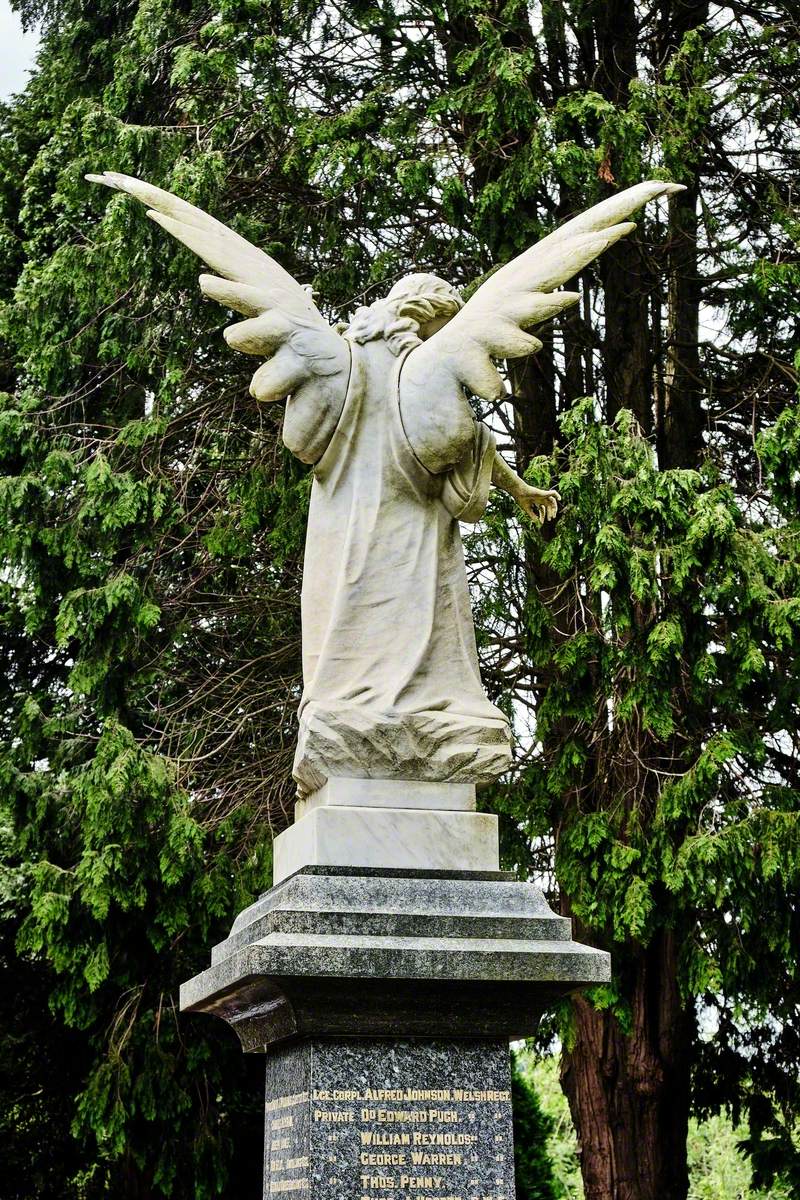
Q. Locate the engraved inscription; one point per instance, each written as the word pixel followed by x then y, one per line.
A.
pixel 286 1150
pixel 389 1137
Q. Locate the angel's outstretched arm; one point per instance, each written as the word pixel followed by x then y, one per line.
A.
pixel 541 505
pixel 307 361
pixel 492 325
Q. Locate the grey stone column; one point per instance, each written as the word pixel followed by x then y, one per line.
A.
pixel 384 1001
pixel 363 1117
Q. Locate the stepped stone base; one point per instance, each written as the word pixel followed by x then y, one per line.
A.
pixel 373 953
pixel 384 1001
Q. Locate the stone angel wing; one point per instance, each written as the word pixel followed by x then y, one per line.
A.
pixel 307 360
pixel 493 325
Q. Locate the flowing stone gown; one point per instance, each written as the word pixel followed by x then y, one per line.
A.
pixel 392 685
pixel 392 689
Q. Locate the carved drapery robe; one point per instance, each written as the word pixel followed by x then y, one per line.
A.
pixel 391 681
pixel 390 668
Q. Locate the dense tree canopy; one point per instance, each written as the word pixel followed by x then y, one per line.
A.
pixel 152 532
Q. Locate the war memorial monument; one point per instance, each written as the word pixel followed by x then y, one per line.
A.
pixel 385 972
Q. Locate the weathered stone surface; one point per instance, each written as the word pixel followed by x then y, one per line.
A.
pixel 376 1120
pixel 414 839
pixel 425 903
pixel 377 953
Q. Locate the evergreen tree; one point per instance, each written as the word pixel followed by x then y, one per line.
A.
pixel 532 1167
pixel 152 532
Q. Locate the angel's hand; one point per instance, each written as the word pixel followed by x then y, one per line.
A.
pixel 539 504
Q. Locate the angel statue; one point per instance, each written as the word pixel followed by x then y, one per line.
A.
pixel 392 688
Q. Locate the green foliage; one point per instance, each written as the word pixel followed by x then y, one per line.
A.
pixel 532 1167
pixel 682 605
pixel 663 733
pixel 151 527
pixel 718 1169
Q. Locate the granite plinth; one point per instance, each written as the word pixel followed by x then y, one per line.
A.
pixel 372 836
pixel 374 1120
pixel 378 953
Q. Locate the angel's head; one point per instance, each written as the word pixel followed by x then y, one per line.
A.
pixel 415 308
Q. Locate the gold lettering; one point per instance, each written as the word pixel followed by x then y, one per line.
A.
pixel 413 1183
pixel 449 1138
pixel 287 1101
pixel 419 1158
pixel 481 1094
pixel 370 1138
pixel 388 1116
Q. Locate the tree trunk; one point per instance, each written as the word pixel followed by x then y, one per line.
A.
pixel 629 1093
pixel 628 1089
pixel 535 416
pixel 681 442
pixel 681 427
pixel 627 282
pixel 626 347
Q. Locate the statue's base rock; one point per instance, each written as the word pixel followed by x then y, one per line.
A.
pixel 440 745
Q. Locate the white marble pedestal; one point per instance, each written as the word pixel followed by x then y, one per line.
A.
pixel 389 824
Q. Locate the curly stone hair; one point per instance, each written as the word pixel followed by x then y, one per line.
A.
pixel 414 302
